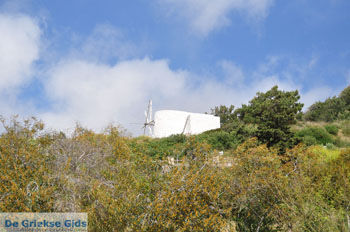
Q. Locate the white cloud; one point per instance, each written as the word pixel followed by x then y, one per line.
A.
pixel 106 42
pixel 19 48
pixel 233 74
pixel 207 15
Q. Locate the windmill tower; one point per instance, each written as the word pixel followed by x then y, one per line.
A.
pixel 149 123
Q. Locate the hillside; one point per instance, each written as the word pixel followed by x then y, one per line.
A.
pixel 185 183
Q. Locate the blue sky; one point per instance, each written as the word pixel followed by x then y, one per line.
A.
pixel 98 62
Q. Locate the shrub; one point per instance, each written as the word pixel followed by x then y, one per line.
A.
pixel 160 147
pixel 26 183
pixel 330 146
pixel 192 199
pixel 326 153
pixel 332 129
pixel 309 140
pixel 219 139
pixel 319 133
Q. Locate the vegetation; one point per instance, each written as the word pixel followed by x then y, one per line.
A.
pixel 332 129
pixel 261 182
pixel 332 109
pixel 315 135
pixel 225 113
pixel 271 114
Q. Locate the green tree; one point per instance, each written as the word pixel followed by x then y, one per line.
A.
pixel 273 112
pixel 327 111
pixel 334 108
pixel 225 113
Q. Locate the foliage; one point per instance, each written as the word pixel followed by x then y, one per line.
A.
pixel 236 129
pixel 273 112
pixel 327 111
pixel 220 140
pixel 332 129
pixel 320 135
pixel 325 153
pixel 160 147
pixel 330 146
pixel 335 108
pixel 191 198
pixel 174 145
pixel 25 177
pixel 129 184
pixel 225 113
pixel 309 140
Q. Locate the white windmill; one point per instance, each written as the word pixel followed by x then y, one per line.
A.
pixel 170 122
pixel 149 123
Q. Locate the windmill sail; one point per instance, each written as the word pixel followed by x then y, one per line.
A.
pixel 149 123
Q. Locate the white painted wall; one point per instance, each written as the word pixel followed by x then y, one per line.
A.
pixel 169 122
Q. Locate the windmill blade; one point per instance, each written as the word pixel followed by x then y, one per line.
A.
pixel 148 122
pixel 150 110
pixel 146 116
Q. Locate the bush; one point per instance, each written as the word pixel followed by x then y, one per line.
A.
pixel 240 130
pixel 330 146
pixel 26 179
pixel 332 129
pixel 220 140
pixel 309 140
pixel 319 133
pixel 159 147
